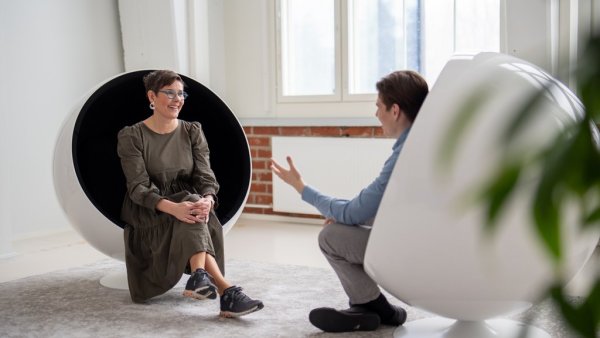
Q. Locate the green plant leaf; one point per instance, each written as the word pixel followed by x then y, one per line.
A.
pixel 498 191
pixel 522 115
pixel 580 168
pixel 584 318
pixel 456 130
pixel 546 215
pixel 591 304
pixel 588 77
pixel 593 217
pixel 589 94
pixel 549 194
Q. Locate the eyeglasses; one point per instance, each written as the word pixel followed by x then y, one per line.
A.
pixel 171 94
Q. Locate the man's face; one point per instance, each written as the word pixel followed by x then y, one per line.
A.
pixel 385 116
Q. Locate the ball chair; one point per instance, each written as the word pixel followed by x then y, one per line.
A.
pixel 88 179
pixel 427 246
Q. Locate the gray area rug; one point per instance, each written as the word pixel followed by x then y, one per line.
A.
pixel 72 303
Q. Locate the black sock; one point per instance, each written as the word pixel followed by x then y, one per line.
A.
pixel 381 306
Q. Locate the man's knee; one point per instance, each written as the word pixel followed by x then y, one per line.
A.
pixel 324 237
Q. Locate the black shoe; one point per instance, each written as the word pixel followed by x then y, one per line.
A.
pixel 199 286
pixel 235 303
pixel 352 319
pixel 397 319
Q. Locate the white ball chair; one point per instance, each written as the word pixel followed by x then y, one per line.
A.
pixel 88 179
pixel 427 246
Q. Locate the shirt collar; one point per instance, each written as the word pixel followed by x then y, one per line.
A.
pixel 400 141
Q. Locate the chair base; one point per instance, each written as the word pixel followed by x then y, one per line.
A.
pixel 448 328
pixel 115 280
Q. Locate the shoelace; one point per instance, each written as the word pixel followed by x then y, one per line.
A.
pixel 202 274
pixel 237 294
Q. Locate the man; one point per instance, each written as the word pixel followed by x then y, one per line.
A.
pixel 344 239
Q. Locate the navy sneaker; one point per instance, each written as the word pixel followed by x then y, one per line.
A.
pixel 200 286
pixel 353 319
pixel 234 303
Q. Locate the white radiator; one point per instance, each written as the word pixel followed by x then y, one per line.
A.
pixel 339 167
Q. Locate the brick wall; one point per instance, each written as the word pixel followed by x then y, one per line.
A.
pixel 260 199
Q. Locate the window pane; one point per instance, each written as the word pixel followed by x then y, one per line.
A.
pixel 308 47
pixel 383 36
pixel 477 25
pixel 459 26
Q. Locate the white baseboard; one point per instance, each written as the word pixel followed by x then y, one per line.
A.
pixel 279 218
pixel 41 233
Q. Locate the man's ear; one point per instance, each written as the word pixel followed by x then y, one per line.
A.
pixel 396 110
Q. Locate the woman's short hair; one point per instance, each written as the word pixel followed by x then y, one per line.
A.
pixel 157 79
pixel 406 88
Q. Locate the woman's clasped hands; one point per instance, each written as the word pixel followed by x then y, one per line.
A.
pixel 194 212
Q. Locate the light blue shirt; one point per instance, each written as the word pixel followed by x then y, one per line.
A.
pixel 363 207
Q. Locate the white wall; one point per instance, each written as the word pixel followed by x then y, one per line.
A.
pixel 155 34
pixel 53 52
pixel 347 171
pixel 248 60
pixel 184 36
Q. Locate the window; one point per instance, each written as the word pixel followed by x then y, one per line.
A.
pixel 382 36
pixel 334 51
pixel 308 47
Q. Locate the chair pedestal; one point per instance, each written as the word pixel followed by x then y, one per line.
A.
pixel 438 327
pixel 115 280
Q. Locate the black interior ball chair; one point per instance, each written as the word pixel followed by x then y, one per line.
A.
pixel 88 179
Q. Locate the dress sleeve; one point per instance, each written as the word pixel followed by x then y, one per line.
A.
pixel 203 177
pixel 139 187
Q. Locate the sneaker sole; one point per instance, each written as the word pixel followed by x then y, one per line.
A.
pixel 201 294
pixel 228 314
pixel 332 320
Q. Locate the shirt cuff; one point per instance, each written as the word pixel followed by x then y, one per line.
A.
pixel 309 194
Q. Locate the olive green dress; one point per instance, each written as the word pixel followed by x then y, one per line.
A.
pixel 157 245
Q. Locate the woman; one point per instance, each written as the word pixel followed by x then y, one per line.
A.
pixel 171 193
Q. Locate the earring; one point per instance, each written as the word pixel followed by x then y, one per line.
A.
pixel 152 105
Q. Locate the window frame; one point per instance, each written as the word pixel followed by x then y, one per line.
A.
pixel 341 104
pixel 337 95
pixel 345 62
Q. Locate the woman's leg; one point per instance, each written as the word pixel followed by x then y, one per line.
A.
pixel 234 302
pixel 198 261
pixel 213 269
pixel 199 285
pixel 202 260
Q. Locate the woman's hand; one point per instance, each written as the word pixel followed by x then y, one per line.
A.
pixel 290 176
pixel 202 208
pixel 187 212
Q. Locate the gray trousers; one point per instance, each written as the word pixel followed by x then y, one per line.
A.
pixel 344 247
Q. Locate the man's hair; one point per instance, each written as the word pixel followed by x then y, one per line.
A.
pixel 406 88
pixel 157 79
